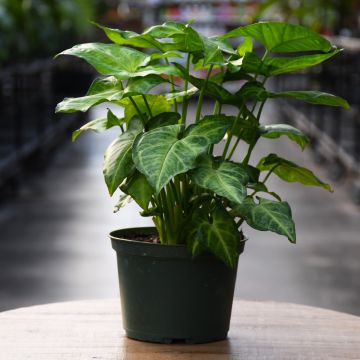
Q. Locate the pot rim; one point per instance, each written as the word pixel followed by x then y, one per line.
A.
pixel 149 230
pixel 141 248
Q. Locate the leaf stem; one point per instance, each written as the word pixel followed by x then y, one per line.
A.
pixel 138 111
pixel 230 134
pixel 217 111
pixel 147 105
pixel 202 93
pixel 269 173
pixel 239 222
pixel 185 100
pixel 172 85
pixel 234 148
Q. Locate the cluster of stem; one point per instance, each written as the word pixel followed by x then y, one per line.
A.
pixel 175 203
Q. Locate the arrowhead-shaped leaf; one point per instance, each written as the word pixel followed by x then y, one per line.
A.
pixel 282 65
pixel 268 215
pixel 274 131
pixel 142 85
pixel 101 90
pixel 213 51
pixel 314 97
pixel 217 234
pixel 130 38
pixel 118 163
pixel 139 189
pixel 185 38
pixel 110 59
pixel 225 178
pixel 233 76
pixel 246 46
pixel 250 63
pixel 157 69
pixel 165 55
pixel 164 152
pixel 283 37
pixel 99 125
pixel 166 30
pixel 252 90
pixel 290 172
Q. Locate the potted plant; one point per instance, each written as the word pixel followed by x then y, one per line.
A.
pixel 177 279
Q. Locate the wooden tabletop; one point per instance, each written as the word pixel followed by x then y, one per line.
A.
pixel 259 330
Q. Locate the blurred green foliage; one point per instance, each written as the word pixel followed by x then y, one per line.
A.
pixel 38 28
pixel 320 15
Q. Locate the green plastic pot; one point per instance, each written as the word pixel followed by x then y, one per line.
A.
pixel 167 296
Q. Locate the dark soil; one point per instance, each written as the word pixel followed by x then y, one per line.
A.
pixel 144 238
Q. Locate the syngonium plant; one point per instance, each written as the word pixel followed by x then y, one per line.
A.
pixel 165 159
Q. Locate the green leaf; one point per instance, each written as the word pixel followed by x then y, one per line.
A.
pixel 185 38
pixel 101 90
pixel 157 69
pixel 113 120
pixel 139 189
pixel 274 131
pixel 223 45
pixel 130 38
pixel 213 51
pixel 245 127
pixel 283 37
pixel 163 119
pixel 246 46
pixel 225 178
pixel 166 30
pixel 250 63
pixel 164 152
pixel 282 65
pixel 258 187
pixel 252 90
pixel 165 55
pixel 234 76
pixel 313 97
pixel 110 59
pixel 290 172
pixel 216 233
pixel 123 201
pixel 142 85
pixel 118 163
pixel 99 125
pixel 268 215
pixel 157 104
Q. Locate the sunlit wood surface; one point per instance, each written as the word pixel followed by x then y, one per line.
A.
pixel 259 330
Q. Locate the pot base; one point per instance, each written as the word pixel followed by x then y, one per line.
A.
pixel 153 338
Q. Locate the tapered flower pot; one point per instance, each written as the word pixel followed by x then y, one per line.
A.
pixel 168 296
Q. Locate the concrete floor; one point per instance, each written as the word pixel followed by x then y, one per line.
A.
pixel 54 245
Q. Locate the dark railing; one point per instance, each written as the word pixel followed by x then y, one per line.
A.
pixel 334 132
pixel 29 128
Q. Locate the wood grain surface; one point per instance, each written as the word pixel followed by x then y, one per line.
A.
pixel 259 330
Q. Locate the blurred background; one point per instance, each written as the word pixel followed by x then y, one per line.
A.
pixel 55 212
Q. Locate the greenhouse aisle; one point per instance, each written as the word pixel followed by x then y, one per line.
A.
pixel 54 245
